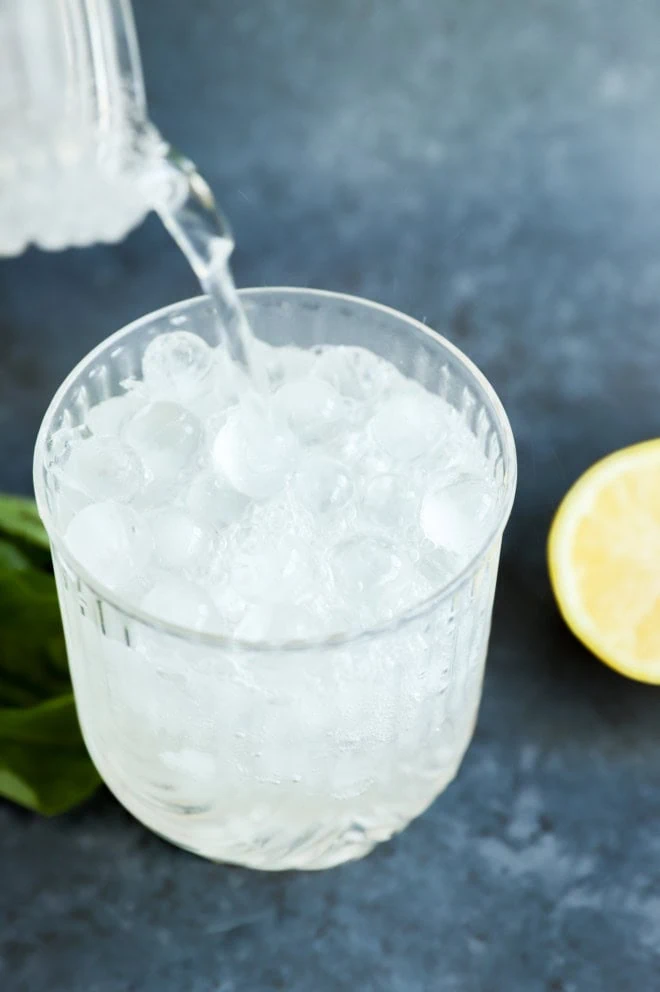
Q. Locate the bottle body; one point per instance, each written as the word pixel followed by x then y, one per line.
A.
pixel 74 125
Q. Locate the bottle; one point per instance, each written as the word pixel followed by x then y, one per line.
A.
pixel 74 126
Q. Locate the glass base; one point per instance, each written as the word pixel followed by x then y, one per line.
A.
pixel 267 840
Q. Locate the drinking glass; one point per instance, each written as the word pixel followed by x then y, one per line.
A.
pixel 296 755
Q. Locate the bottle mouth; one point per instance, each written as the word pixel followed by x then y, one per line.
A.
pixel 488 547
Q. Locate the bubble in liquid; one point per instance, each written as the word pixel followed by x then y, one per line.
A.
pixel 167 437
pixel 112 542
pixel 177 364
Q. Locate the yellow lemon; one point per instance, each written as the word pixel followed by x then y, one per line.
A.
pixel 604 560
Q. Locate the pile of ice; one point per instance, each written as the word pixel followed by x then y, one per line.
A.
pixel 342 497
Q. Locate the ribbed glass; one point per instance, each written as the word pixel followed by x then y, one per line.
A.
pixel 282 756
pixel 72 121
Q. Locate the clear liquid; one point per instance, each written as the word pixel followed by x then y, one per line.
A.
pixel 189 212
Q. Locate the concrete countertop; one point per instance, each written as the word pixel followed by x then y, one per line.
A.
pixel 493 169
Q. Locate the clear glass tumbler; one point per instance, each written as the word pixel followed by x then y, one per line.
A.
pixel 299 755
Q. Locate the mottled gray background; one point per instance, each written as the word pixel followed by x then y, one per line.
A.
pixel 492 168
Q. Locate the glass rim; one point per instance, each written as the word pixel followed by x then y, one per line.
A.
pixel 328 642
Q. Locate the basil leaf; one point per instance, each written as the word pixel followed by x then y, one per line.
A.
pixel 33 665
pixel 20 526
pixel 43 762
pixel 12 557
pixel 19 518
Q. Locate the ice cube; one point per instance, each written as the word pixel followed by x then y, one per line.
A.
pixel 364 459
pixel 313 409
pixel 181 602
pixel 255 450
pixel 454 514
pixel 285 363
pixel 390 502
pixel 354 372
pixel 212 498
pixel 167 437
pixel 213 422
pixel 135 387
pixel 107 418
pixel 278 571
pixel 226 384
pixel 406 589
pixel 211 410
pixel 292 623
pixel 67 499
pixel 177 364
pixel 255 623
pixel 254 578
pixel 406 425
pixel 67 502
pixel 323 485
pixel 298 571
pixel 181 542
pixel 362 564
pixel 231 381
pixel 229 604
pixel 111 542
pixel 278 623
pixel 439 566
pixel 103 468
pixel 61 444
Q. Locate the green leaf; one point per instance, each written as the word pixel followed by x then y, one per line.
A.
pixel 19 518
pixel 33 665
pixel 12 558
pixel 43 762
pixel 20 526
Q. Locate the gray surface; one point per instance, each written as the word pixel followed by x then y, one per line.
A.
pixel 493 168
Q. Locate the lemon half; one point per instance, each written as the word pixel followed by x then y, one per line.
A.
pixel 604 560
